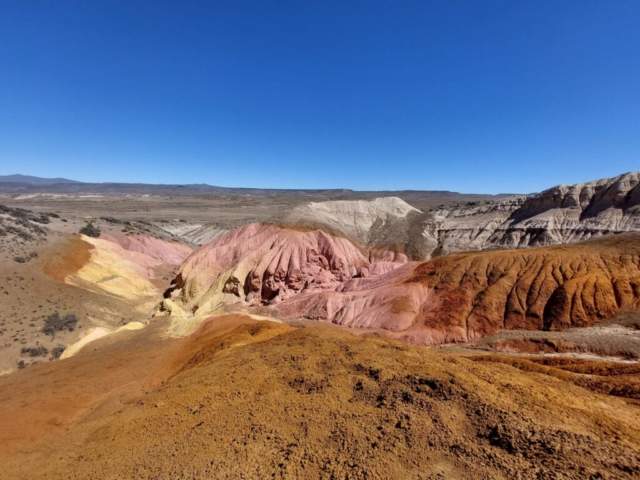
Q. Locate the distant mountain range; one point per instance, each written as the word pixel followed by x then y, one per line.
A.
pixel 24 184
pixel 31 180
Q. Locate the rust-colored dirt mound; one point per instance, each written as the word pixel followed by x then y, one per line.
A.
pixel 245 399
pixel 548 288
pixel 47 398
pixel 71 256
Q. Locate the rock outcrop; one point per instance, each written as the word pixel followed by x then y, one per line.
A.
pixel 262 264
pixel 562 214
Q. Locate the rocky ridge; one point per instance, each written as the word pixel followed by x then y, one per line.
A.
pixel 562 214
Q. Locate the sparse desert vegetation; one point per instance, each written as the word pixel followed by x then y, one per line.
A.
pixel 90 230
pixel 55 323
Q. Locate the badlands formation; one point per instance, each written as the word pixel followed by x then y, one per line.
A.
pixel 346 338
pixel 562 214
pixel 457 298
pixel 377 265
pixel 353 279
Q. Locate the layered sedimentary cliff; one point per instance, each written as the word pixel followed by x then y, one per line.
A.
pixel 562 214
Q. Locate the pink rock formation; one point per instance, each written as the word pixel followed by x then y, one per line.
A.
pixel 166 252
pixel 378 301
pixel 306 274
pixel 265 264
pixel 458 298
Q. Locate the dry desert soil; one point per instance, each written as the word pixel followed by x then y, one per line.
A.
pixel 241 398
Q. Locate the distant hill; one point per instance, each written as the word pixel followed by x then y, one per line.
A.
pixel 421 199
pixel 30 180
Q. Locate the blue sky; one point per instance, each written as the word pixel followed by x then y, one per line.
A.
pixel 473 96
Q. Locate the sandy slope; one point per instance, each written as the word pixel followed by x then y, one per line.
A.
pixel 104 283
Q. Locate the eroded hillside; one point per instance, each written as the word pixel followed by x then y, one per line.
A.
pixel 457 298
pixel 540 288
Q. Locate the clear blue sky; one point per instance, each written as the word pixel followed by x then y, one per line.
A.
pixel 473 96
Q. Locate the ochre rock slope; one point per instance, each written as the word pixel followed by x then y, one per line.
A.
pixel 131 267
pixel 540 288
pixel 267 400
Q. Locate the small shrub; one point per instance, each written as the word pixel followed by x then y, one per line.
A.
pixel 55 323
pixel 20 259
pixel 57 351
pixel 43 218
pixel 90 230
pixel 37 351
